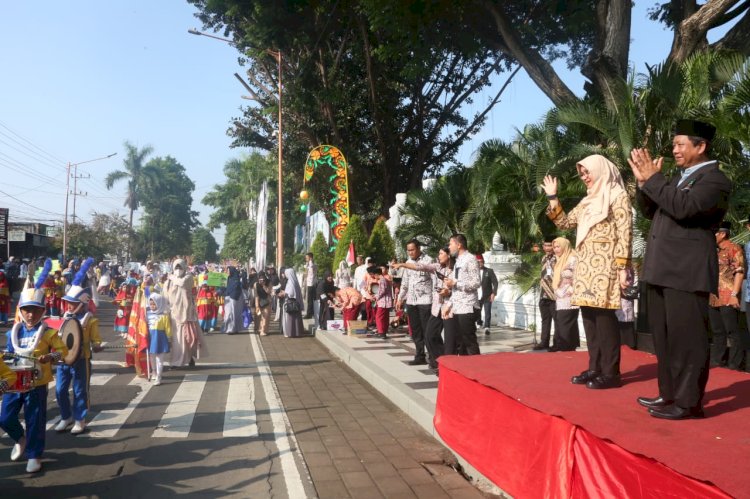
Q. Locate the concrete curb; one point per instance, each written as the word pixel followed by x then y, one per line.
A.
pixel 417 407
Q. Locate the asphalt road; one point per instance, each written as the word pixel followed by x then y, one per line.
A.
pixel 213 430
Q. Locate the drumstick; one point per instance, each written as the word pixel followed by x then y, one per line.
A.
pixel 13 355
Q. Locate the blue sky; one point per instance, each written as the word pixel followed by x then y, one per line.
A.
pixel 80 77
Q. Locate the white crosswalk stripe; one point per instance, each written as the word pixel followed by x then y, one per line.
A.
pixel 239 418
pixel 239 414
pixel 181 410
pixel 107 423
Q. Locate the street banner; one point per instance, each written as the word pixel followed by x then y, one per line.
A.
pixel 3 225
pixel 217 279
pixel 351 255
pixel 261 225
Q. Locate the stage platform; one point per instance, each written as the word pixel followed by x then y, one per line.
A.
pixel 521 423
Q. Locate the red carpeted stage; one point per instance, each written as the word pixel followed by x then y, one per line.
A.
pixel 519 421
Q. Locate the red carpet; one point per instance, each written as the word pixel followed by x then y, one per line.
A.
pixel 519 421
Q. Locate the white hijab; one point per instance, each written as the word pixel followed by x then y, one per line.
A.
pixel 607 187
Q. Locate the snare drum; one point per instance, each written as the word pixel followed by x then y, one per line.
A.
pixel 25 378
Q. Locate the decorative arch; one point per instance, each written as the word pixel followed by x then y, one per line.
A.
pixel 334 163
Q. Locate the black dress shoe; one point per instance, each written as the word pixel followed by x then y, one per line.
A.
pixel 540 347
pixel 675 412
pixel 553 349
pixel 605 381
pixel 417 362
pixel 653 402
pixel 584 377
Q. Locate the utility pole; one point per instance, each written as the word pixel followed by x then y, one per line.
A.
pixel 75 192
pixel 67 192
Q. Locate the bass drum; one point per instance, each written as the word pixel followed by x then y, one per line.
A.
pixel 72 335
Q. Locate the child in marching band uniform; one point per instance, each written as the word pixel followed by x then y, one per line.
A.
pixel 50 300
pixel 159 333
pixel 206 303
pixel 76 302
pixel 31 338
pixel 124 301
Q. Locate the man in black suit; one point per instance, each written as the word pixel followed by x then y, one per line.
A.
pixel 488 285
pixel 681 266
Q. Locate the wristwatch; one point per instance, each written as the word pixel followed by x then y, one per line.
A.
pixel 734 294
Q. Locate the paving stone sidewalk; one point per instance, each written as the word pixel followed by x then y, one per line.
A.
pixel 356 443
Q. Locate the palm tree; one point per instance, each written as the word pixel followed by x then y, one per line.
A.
pixel 138 176
pixel 505 183
pixel 434 214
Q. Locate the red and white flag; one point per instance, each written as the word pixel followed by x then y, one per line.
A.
pixel 350 256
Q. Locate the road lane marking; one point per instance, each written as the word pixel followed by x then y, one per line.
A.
pixel 181 410
pixel 107 423
pixel 282 429
pixel 239 412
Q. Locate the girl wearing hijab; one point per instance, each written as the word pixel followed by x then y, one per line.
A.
pixel 291 317
pixel 159 333
pixel 566 314
pixel 603 222
pixel 233 303
pixel 262 294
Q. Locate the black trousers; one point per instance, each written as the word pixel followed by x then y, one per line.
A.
pixel 419 316
pixel 325 314
pixel 567 336
pixel 310 302
pixel 547 311
pixel 603 339
pixel 725 326
pixel 433 340
pixel 486 306
pixel 679 321
pixel 466 330
pixel 452 344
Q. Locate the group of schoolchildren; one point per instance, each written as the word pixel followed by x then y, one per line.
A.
pixel 31 343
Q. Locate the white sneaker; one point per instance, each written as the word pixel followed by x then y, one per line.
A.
pixel 157 381
pixel 33 466
pixel 18 449
pixel 78 427
pixel 64 424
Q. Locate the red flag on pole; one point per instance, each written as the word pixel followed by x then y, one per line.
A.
pixel 351 256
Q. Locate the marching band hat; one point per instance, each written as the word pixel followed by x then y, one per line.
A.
pixel 78 292
pixel 34 296
pixel 695 128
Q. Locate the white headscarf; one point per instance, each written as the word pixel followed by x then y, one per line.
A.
pixel 161 304
pixel 607 187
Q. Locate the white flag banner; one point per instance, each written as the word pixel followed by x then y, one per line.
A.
pixel 260 228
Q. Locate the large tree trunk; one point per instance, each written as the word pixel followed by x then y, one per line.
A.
pixel 538 69
pixel 607 63
pixel 692 24
pixel 737 38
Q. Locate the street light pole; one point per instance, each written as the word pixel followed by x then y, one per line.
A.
pixel 67 194
pixel 279 210
pixel 280 216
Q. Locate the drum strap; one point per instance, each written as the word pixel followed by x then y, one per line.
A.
pixel 27 351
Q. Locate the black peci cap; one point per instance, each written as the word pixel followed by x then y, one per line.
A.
pixel 694 128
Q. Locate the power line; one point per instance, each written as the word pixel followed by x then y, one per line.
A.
pixel 48 154
pixel 32 156
pixel 28 205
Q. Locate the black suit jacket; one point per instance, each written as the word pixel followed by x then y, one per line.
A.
pixel 488 282
pixel 681 246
